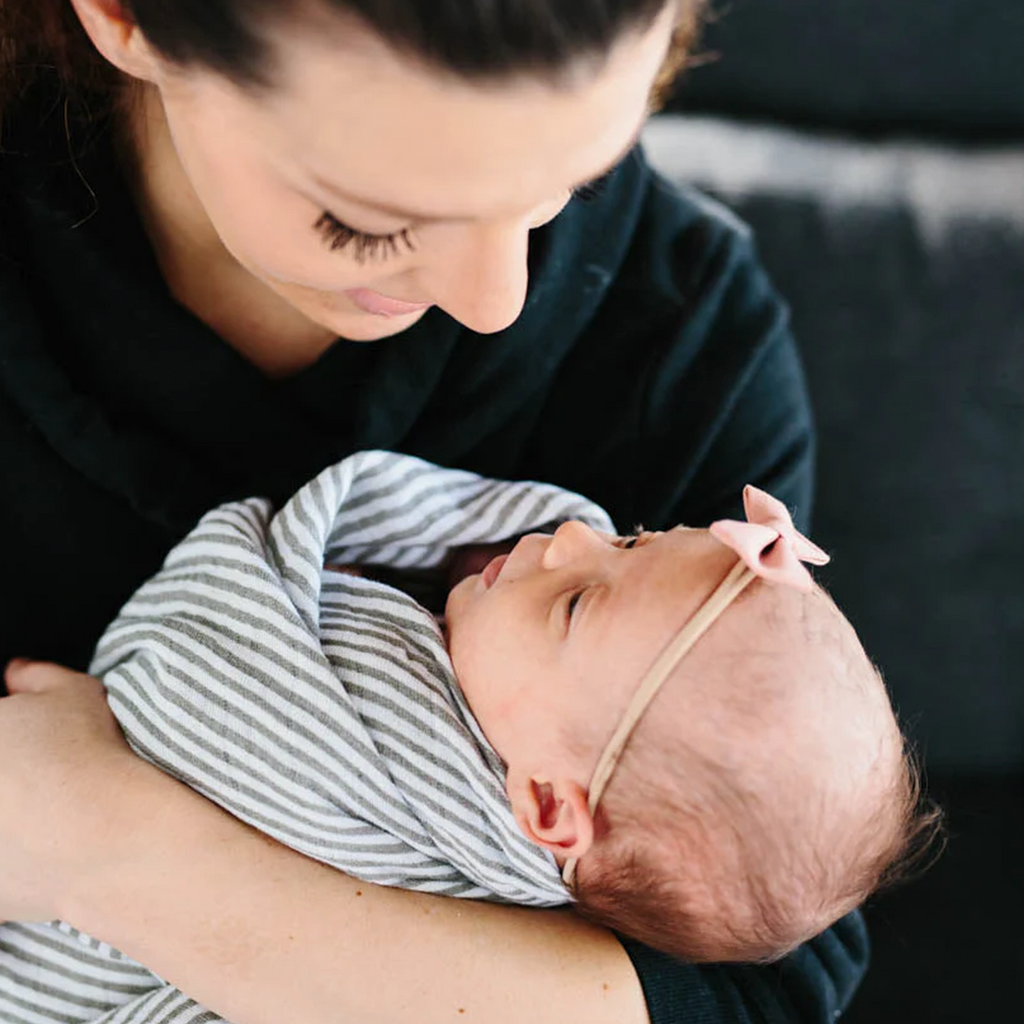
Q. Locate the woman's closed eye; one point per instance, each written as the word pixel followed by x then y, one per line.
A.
pixel 366 245
pixel 338 236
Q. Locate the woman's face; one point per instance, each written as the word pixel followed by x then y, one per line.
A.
pixel 363 188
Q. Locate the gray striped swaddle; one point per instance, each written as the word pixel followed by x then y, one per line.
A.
pixel 317 706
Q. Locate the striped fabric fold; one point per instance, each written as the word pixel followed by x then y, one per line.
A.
pixel 319 707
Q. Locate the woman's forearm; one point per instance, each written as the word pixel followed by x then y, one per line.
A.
pixel 263 935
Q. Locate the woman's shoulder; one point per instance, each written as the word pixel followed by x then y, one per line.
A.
pixel 636 207
pixel 687 236
pixel 650 246
pixel 683 383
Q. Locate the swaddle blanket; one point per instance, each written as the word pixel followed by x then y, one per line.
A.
pixel 317 706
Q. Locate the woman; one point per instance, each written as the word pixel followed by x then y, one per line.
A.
pixel 199 199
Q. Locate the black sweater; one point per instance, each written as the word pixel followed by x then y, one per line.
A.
pixel 651 369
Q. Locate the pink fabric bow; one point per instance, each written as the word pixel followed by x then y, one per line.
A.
pixel 768 542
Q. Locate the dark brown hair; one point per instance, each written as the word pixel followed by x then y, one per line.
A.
pixel 473 38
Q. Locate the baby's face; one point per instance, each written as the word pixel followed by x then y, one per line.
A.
pixel 560 632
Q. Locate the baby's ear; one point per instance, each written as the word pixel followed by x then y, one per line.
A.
pixel 553 813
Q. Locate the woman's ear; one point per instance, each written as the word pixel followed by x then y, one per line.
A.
pixel 114 33
pixel 553 813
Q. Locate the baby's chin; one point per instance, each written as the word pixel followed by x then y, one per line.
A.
pixel 458 598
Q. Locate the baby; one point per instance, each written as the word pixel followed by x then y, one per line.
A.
pixel 677 731
pixel 691 727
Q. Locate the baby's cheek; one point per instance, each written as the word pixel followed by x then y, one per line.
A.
pixel 455 607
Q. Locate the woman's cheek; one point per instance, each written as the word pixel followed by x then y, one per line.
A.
pixel 282 244
pixel 262 223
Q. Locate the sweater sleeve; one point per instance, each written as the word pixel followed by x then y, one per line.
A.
pixel 813 985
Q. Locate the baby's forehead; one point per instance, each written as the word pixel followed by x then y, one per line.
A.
pixel 684 567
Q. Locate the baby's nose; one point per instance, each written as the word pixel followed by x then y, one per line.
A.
pixel 569 541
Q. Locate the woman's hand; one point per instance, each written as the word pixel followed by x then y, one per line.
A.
pixel 63 759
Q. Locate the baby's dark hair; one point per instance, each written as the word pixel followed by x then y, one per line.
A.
pixel 710 852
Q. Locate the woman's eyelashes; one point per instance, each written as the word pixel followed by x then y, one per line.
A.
pixel 365 246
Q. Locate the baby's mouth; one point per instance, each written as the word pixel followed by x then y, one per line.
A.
pixel 492 570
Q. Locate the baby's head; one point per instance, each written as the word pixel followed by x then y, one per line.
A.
pixel 764 790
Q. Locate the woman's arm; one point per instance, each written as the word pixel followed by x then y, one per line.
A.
pixel 259 933
pixel 245 926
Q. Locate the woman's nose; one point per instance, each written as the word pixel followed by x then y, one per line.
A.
pixel 477 273
pixel 570 541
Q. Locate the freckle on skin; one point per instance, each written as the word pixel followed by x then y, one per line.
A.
pixel 604 986
pixel 359 892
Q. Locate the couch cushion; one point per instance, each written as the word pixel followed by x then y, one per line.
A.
pixel 951 68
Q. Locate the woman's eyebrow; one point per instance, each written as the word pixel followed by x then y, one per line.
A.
pixel 403 213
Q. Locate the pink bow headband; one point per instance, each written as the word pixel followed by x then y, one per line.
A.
pixel 770 548
pixel 768 543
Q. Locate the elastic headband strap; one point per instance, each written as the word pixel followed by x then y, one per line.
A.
pixel 739 577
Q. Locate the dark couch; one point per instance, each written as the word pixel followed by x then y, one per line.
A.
pixel 877 149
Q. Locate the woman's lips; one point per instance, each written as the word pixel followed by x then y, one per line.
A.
pixel 383 305
pixel 492 570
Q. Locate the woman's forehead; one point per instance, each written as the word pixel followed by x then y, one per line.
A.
pixel 390 129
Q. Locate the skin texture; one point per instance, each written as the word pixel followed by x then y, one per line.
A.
pixel 552 641
pixel 226 182
pixel 232 182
